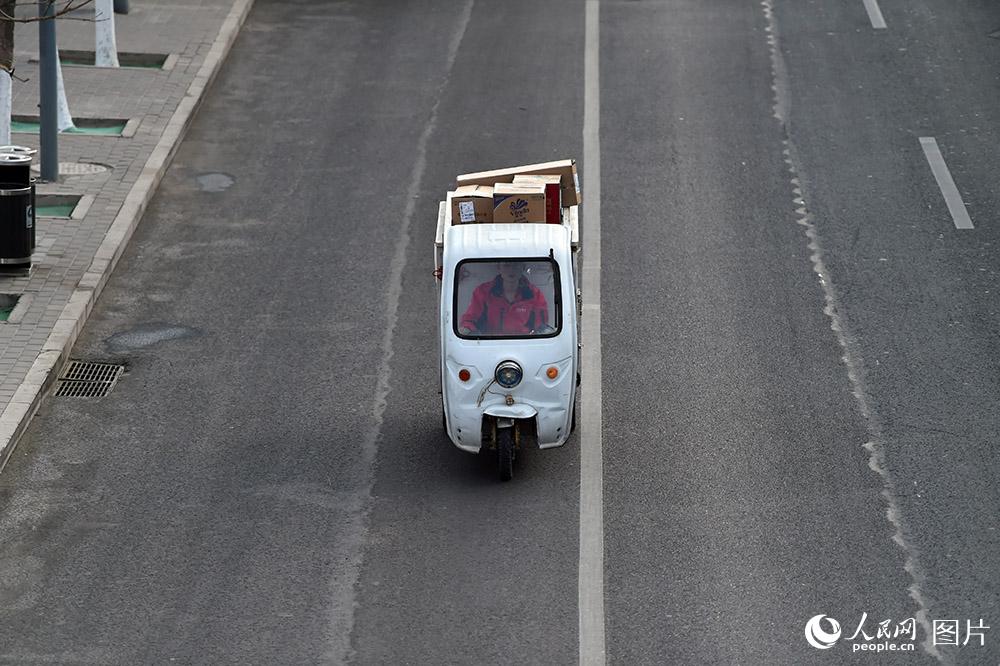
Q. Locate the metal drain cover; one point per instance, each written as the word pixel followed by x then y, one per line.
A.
pixel 76 168
pixel 83 379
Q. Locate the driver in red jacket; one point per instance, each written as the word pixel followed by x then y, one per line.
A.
pixel 506 305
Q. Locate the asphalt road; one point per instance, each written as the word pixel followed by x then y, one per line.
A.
pixel 799 397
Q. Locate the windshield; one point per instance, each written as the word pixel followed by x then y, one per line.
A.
pixel 507 298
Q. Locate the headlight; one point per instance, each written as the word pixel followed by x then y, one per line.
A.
pixel 508 374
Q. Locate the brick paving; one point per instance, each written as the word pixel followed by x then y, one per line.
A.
pixel 66 248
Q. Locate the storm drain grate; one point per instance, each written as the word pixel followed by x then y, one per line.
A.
pixel 83 379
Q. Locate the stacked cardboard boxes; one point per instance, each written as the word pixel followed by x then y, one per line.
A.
pixel 553 197
pixel 528 193
pixel 519 202
pixel 472 203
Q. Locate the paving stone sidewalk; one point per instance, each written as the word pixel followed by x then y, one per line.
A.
pixel 74 257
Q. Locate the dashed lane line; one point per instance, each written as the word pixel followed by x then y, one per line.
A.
pixel 959 214
pixel 875 14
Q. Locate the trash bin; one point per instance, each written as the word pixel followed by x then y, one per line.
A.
pixel 15 168
pixel 17 224
pixel 15 164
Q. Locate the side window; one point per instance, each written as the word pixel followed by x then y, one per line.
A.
pixel 507 298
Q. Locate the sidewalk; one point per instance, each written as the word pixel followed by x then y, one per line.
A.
pixel 74 257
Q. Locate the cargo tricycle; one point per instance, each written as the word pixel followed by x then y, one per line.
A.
pixel 509 309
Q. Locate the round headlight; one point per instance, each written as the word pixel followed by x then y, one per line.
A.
pixel 508 374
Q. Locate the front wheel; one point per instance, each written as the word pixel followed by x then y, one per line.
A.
pixel 505 453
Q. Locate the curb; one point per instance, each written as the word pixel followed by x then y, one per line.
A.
pixel 22 407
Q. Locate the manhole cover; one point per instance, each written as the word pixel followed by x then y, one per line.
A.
pixel 75 168
pixel 84 379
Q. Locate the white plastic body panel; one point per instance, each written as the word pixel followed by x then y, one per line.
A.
pixel 549 401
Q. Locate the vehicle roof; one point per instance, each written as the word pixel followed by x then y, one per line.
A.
pixel 506 240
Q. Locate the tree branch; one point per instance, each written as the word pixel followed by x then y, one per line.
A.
pixel 68 6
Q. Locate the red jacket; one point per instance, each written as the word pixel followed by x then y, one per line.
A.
pixel 489 311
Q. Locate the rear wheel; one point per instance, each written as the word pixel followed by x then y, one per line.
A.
pixel 505 453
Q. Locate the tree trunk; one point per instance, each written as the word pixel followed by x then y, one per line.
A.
pixel 106 53
pixel 6 68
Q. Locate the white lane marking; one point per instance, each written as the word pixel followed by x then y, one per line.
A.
pixel 875 14
pixel 341 625
pixel 959 214
pixel 591 571
pixel 853 359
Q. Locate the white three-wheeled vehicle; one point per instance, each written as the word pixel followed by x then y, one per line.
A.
pixel 509 334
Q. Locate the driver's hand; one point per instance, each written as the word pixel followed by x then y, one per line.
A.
pixel 464 330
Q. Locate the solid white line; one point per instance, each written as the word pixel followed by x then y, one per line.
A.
pixel 959 214
pixel 591 571
pixel 875 14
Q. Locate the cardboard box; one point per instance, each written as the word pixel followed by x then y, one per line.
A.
pixel 565 169
pixel 552 198
pixel 520 202
pixel 472 203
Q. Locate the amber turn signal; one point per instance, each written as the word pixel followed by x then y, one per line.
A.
pixel 552 372
pixel 464 375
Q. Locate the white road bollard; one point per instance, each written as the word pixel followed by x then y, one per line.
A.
pixel 65 121
pixel 106 52
pixel 5 98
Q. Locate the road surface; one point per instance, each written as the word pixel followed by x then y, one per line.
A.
pixel 798 351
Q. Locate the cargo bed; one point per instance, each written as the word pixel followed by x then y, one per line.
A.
pixel 570 218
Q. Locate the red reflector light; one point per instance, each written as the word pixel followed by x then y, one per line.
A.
pixel 464 375
pixel 552 372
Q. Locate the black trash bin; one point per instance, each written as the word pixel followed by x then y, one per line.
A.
pixel 15 169
pixel 17 224
pixel 15 164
